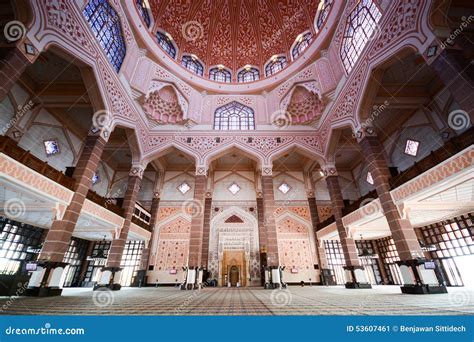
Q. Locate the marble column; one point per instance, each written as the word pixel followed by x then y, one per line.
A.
pixel 412 262
pixel 197 222
pixel 46 281
pixel 354 271
pixel 268 200
pixel 110 276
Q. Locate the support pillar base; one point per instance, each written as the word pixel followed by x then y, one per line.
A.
pixel 354 285
pixel 108 278
pixel 423 289
pixel 46 280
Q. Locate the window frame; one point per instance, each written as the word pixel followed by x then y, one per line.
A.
pixel 351 50
pixel 168 45
pixel 223 114
pixel 246 71
pixel 281 60
pixel 194 60
pixel 109 33
pixel 216 72
pixel 298 47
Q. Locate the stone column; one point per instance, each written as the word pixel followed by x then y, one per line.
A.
pixel 403 234
pixel 59 235
pixel 110 273
pixel 206 231
pixel 262 237
pixel 355 277
pixel 313 212
pixel 402 231
pixel 268 200
pixel 11 68
pixel 457 73
pixel 197 222
pixel 145 257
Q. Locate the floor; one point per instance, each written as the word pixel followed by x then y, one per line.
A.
pixel 317 300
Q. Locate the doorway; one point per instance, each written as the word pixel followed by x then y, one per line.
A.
pixel 234 276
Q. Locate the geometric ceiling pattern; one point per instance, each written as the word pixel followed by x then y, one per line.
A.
pixel 234 33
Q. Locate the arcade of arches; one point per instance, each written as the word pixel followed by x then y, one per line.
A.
pixel 245 146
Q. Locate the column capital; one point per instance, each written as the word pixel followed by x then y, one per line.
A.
pixel 137 170
pixel 266 170
pixel 101 124
pixel 364 132
pixel 329 169
pixel 201 170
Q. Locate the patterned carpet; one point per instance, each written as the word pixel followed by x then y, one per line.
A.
pixel 317 300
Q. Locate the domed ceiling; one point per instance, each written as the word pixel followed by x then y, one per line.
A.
pixel 234 33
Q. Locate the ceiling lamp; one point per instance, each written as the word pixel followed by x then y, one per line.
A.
pixel 366 254
pixel 247 67
pixel 427 248
pixel 299 38
pixel 100 254
pixel 274 58
pixel 220 66
pixel 194 57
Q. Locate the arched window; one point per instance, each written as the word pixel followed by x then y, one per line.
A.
pixel 105 24
pixel 323 12
pixel 166 44
pixel 234 116
pixel 141 6
pixel 191 63
pixel 276 64
pixel 302 42
pixel 248 74
pixel 220 74
pixel 360 26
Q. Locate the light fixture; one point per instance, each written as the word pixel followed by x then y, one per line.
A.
pixel 427 248
pixel 184 188
pixel 234 188
pixel 299 38
pixel 220 66
pixel 284 188
pixel 365 252
pixel 274 58
pixel 100 254
pixel 247 67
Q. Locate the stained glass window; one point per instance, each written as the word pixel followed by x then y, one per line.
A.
pixel 220 75
pixel 411 147
pixel 248 74
pixel 184 188
pixel 302 42
pixel 234 188
pixel 284 188
pixel 143 12
pixel 105 24
pixel 191 63
pixel 276 64
pixel 234 116
pixel 361 25
pixel 324 7
pixel 166 44
pixel 51 147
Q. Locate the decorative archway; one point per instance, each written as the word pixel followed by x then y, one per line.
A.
pixel 234 242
